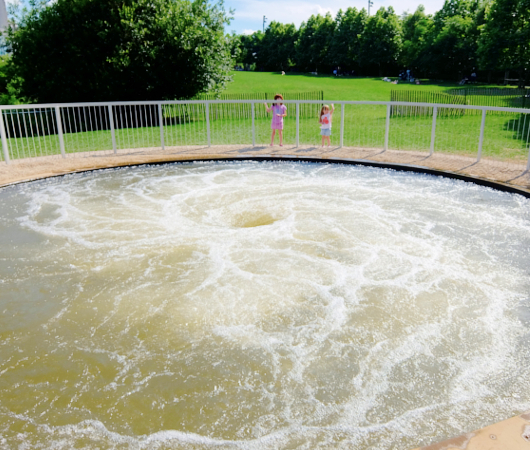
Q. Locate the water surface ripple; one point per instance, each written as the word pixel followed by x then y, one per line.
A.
pixel 260 306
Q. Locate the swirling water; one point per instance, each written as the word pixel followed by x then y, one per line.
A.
pixel 260 305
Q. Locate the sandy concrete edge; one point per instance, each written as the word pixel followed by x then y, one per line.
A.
pixel 510 434
pixel 513 174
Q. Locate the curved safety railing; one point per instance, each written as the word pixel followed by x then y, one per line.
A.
pixel 77 128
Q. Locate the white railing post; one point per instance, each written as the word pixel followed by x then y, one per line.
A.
pixel 481 138
pixel 387 126
pixel 112 130
pixel 252 109
pixel 60 130
pixel 298 124
pixel 4 137
pixel 433 129
pixel 342 106
pixel 161 123
pixel 208 136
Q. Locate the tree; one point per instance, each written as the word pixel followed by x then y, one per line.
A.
pixel 314 40
pixel 504 41
pixel 104 50
pixel 277 49
pixel 346 43
pixel 452 53
pixel 381 41
pixel 417 31
pixel 250 46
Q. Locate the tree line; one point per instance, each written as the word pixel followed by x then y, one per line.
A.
pixel 490 36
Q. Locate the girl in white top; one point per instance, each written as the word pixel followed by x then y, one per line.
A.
pixel 325 123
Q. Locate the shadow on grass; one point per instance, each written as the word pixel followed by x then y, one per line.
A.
pixel 520 127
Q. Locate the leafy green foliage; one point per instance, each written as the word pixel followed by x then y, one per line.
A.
pixel 103 50
pixel 505 37
pixel 346 42
pixel 277 48
pixel 491 35
pixel 315 38
pixel 417 30
pixel 381 40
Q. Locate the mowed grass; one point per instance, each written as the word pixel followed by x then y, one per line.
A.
pixel 335 88
pixel 506 136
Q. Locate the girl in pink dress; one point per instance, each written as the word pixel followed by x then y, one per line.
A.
pixel 279 111
pixel 325 123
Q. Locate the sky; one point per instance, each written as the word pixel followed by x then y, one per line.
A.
pixel 248 15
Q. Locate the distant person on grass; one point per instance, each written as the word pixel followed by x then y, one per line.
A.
pixel 279 111
pixel 325 123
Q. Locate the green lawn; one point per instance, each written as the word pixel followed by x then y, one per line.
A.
pixel 506 136
pixel 335 88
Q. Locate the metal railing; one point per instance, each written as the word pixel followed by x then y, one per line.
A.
pixel 74 129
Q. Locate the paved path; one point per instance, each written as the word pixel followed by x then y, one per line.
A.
pixel 514 174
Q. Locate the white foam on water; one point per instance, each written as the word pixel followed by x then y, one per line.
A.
pixel 261 305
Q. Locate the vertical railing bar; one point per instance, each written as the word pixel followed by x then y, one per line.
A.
pixel 481 138
pixel 9 138
pixel 60 131
pixel 342 106
pixel 43 138
pixel 161 123
pixel 175 130
pixel 528 144
pixel 78 131
pixel 208 131
pixel 252 113
pixel 91 127
pixel 433 129
pixel 112 130
pixel 524 126
pixel 182 121
pixel 107 119
pixel 387 127
pixel 85 133
pixel 151 137
pixel 49 130
pixel 127 128
pixel 101 127
pixel 137 125
pixel 14 131
pixel 141 129
pixel 143 121
pixel 193 127
pixel 188 127
pixel 184 131
pixel 121 122
pixel 69 123
pixel 26 131
pixel 4 138
pixel 32 131
pixel 297 124
pixel 98 120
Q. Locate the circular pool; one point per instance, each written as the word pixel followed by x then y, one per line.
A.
pixel 260 305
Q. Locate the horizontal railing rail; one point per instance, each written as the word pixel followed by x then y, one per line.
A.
pixel 66 128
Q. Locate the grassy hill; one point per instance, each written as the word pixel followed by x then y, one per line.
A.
pixel 335 88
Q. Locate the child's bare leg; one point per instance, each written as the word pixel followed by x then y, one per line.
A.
pixel 280 132
pixel 323 138
pixel 328 138
pixel 272 137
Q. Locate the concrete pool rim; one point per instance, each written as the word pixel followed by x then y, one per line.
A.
pixel 399 167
